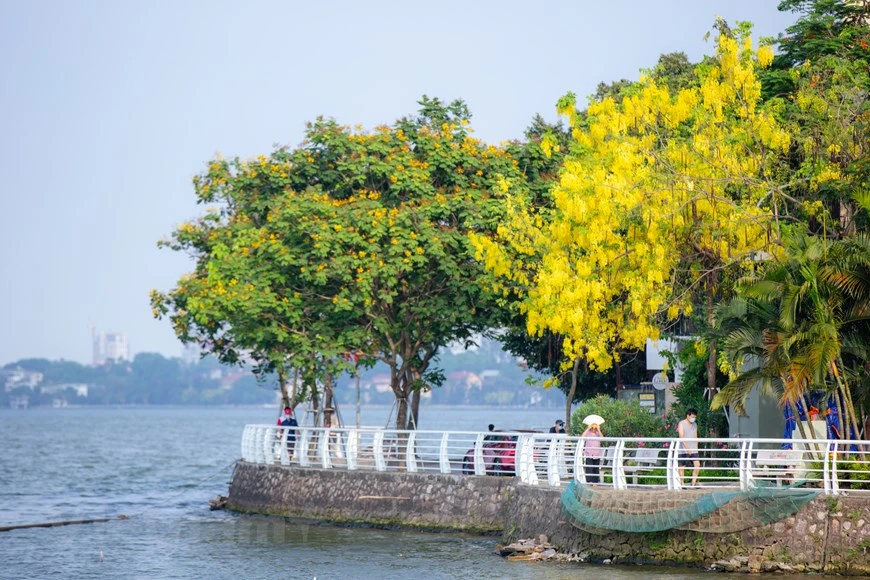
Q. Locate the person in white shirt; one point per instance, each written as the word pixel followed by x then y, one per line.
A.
pixel 688 429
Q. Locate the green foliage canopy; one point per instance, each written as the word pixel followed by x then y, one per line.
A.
pixel 353 242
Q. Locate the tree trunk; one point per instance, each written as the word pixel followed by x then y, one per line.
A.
pixel 797 420
pixel 711 360
pixel 806 405
pixel 400 388
pixel 847 396
pixel 293 393
pixel 282 384
pixel 402 414
pixel 571 394
pixel 617 368
pixel 328 407
pixel 847 220
pixel 315 405
pixel 842 412
pixel 397 383
pixel 415 411
pixel 850 408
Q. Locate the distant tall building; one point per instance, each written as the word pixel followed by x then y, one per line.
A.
pixel 115 346
pixel 191 353
pixel 96 346
pixel 108 346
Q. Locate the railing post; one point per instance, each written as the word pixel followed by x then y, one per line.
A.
pixel 561 446
pixel 673 458
pixel 325 459
pixel 479 465
pixel 744 465
pixel 252 444
pixel 264 446
pixel 304 442
pixel 246 443
pixel 527 472
pixel 352 449
pixel 378 450
pixel 835 480
pixel 579 468
pixel 553 461
pixel 443 458
pixel 283 443
pixel 257 445
pixel 826 471
pixel 618 470
pixel 410 453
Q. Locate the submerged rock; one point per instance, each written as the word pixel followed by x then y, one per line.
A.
pixel 530 550
pixel 218 503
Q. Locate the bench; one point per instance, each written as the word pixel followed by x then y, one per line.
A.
pixel 778 464
pixel 645 459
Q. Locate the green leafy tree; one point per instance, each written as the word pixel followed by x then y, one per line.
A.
pixel 819 83
pixel 824 28
pixel 354 242
pixel 156 378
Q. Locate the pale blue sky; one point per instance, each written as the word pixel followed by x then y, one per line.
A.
pixel 108 108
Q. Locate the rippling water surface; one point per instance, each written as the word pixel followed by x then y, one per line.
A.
pixel 161 465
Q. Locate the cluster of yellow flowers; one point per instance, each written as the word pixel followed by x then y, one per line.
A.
pixel 660 177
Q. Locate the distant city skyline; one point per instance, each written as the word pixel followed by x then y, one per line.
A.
pixel 109 110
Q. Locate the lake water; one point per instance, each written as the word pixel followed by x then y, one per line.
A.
pixel 161 465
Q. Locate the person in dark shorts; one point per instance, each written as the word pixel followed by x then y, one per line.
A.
pixel 289 421
pixel 688 429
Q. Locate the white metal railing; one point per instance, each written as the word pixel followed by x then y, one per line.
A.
pixel 554 460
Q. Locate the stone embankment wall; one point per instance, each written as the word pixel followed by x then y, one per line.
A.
pixel 430 501
pixel 830 534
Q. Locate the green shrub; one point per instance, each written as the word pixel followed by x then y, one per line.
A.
pixel 658 476
pixel 621 418
pixel 850 474
pixel 853 474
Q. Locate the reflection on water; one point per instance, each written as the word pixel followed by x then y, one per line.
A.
pixel 161 466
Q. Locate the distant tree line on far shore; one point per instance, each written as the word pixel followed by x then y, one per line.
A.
pixel 483 376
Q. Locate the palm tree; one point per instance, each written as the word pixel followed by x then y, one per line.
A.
pixel 796 322
pixel 848 272
pixel 757 349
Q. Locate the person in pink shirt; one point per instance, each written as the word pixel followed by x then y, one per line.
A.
pixel 592 453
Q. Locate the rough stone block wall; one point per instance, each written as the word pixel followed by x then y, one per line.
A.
pixel 830 534
pixel 451 502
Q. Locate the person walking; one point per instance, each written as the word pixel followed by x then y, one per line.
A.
pixel 290 422
pixel 559 427
pixel 592 453
pixel 688 430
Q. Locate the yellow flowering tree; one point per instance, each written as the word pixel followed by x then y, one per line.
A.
pixel 661 192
